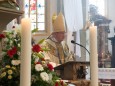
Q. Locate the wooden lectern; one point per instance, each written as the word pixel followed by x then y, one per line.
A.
pixel 72 70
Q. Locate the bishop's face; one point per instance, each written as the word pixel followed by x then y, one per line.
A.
pixel 59 36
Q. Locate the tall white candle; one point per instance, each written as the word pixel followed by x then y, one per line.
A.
pixel 93 56
pixel 25 75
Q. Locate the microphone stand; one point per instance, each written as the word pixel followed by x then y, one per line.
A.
pixel 79 71
pixel 81 46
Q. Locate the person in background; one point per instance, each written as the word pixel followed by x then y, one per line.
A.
pixel 59 51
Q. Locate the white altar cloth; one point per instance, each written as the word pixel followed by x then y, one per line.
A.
pixel 106 73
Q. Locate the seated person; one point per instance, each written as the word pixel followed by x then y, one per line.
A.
pixel 59 51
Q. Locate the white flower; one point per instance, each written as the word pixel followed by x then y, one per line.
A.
pixel 11 42
pixel 5 39
pixel 18 53
pixel 14 35
pixel 36 59
pixel 10 72
pixel 15 40
pixel 15 62
pixel 44 76
pixel 3 74
pixel 9 77
pixel 50 76
pixel 39 67
pixel 10 36
pixel 18 45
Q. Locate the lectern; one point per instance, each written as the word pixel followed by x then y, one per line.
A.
pixel 72 70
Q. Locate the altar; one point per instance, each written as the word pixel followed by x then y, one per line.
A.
pixel 106 73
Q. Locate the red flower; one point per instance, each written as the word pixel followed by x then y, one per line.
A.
pixel 14 49
pixel 2 36
pixel 36 48
pixel 61 82
pixel 50 67
pixel 12 52
pixel 56 84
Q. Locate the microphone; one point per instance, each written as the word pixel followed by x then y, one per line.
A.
pixel 72 41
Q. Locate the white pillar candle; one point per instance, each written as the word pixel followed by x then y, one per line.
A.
pixel 25 75
pixel 93 56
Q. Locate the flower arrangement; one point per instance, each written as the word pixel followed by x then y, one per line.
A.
pixel 42 72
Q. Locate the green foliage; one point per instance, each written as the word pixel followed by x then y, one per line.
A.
pixel 35 30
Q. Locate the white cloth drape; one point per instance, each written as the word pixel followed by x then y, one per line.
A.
pixel 74 19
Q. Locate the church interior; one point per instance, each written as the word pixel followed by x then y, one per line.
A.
pixel 89 31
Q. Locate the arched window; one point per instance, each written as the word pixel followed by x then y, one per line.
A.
pixel 35 9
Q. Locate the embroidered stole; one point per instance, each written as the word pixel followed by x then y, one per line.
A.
pixel 60 52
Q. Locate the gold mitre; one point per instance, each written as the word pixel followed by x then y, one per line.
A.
pixel 58 23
